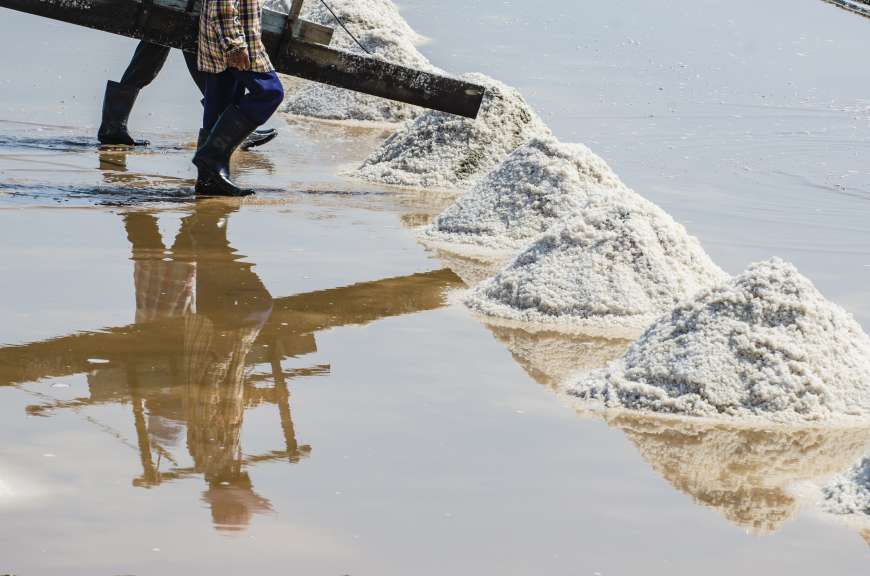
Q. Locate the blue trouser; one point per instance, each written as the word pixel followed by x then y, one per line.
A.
pixel 257 94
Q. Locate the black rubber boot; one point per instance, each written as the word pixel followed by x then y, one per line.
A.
pixel 258 138
pixel 117 104
pixel 203 136
pixel 200 140
pixel 213 157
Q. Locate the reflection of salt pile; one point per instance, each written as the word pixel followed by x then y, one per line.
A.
pixel 849 493
pixel 743 473
pixel 539 184
pixel 439 150
pixel 382 30
pixel 551 357
pixel 617 265
pixel 766 344
pixel 472 270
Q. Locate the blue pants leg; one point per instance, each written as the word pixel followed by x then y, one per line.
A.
pixel 257 94
pixel 221 91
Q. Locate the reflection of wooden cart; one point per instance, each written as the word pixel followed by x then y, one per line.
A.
pixel 207 346
pixel 288 333
pixel 296 47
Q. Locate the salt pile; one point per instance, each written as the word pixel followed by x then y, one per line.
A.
pixel 849 493
pixel 746 474
pixel 439 150
pixel 541 183
pixel 765 344
pixel 382 30
pixel 616 266
pixel 360 15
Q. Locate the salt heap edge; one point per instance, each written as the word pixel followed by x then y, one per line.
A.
pixel 443 151
pixel 538 185
pixel 611 269
pixel 763 346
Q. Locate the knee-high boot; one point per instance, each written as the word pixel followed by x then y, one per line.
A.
pixel 213 157
pixel 117 104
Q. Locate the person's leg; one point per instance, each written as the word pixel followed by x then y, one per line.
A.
pixel 220 92
pixel 235 124
pixel 198 77
pixel 147 61
pixel 259 136
pixel 265 93
pixel 218 138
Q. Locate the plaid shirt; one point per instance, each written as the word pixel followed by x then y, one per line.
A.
pixel 229 25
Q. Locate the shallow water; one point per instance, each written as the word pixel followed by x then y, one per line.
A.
pixel 283 384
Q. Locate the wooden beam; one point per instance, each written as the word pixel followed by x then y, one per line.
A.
pixel 293 20
pixel 852 6
pixel 300 55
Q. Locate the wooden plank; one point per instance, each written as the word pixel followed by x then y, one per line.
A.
pixel 293 19
pixel 274 23
pixel 856 7
pixel 169 26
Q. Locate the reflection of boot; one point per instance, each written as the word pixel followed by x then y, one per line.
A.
pixel 213 157
pixel 117 104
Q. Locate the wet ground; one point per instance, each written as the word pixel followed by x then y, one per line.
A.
pixel 282 384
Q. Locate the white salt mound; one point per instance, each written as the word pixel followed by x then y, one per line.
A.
pixel 382 30
pixel 618 264
pixel 439 150
pixel 540 183
pixel 849 493
pixel 764 345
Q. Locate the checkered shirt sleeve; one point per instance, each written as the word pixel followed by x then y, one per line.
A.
pixel 229 25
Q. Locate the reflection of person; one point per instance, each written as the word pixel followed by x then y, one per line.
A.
pixel 231 307
pixel 120 97
pixel 220 306
pixel 164 288
pixel 242 90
